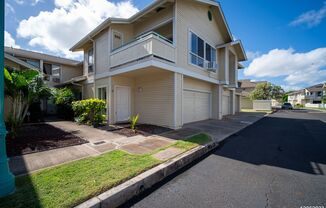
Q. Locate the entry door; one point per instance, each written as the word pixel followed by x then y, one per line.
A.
pixel 122 103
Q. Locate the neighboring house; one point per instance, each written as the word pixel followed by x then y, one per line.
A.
pixel 246 86
pixel 55 70
pixel 309 95
pixel 172 63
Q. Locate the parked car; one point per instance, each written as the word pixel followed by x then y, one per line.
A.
pixel 287 106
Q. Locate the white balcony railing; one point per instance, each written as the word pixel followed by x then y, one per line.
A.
pixel 150 44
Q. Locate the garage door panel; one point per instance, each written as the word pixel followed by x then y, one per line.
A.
pixel 196 106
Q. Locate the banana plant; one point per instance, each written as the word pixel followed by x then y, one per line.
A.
pixel 23 88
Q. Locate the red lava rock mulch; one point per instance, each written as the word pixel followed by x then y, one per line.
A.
pixel 40 137
pixel 141 129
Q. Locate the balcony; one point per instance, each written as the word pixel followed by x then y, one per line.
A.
pixel 148 45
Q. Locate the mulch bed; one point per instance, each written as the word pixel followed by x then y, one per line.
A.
pixel 40 137
pixel 141 129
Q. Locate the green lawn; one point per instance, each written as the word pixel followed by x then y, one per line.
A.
pixel 70 184
pixel 192 142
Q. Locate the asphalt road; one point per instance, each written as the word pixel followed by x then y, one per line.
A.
pixel 280 161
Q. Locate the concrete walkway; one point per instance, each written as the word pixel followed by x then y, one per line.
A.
pixel 101 141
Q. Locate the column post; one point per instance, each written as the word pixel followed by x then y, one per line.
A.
pixel 7 179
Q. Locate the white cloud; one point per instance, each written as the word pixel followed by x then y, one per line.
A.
pixel 252 55
pixel 10 41
pixel 69 22
pixel 288 88
pixel 296 68
pixel 34 2
pixel 19 2
pixel 311 18
pixel 9 9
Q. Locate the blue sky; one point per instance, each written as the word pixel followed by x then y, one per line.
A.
pixel 285 39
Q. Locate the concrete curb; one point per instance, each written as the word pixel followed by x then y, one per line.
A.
pixel 127 190
pixel 133 187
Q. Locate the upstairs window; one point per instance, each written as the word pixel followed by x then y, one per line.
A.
pixel 90 61
pixel 210 57
pixel 35 63
pixel 197 50
pixel 202 54
pixel 56 70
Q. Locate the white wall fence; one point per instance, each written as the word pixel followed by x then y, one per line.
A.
pixel 262 104
pixel 310 105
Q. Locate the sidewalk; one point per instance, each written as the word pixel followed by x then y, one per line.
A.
pixel 101 141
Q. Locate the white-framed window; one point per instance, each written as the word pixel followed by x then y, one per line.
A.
pixel 90 60
pixel 32 62
pixel 101 93
pixel 56 72
pixel 201 53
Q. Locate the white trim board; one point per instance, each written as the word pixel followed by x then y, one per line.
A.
pixel 159 64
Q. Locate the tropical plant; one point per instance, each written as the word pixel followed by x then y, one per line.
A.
pixel 267 91
pixel 89 111
pixel 63 98
pixel 133 121
pixel 324 99
pixel 23 88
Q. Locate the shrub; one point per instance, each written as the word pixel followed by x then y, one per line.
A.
pixel 133 121
pixel 89 111
pixel 298 105
pixel 63 98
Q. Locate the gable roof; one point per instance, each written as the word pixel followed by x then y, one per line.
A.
pixel 35 55
pixel 317 87
pixel 247 83
pixel 20 62
pixel 223 24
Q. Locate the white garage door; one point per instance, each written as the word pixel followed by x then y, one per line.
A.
pixel 225 105
pixel 196 106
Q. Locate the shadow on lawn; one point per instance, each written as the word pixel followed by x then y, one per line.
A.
pixel 25 195
pixel 296 144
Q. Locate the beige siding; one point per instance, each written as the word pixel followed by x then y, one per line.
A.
pixel 88 91
pixel 102 52
pixel 193 16
pixel 126 30
pixel 155 103
pixel 69 72
pixel 153 21
pixel 178 86
pixel 194 84
pixel 11 64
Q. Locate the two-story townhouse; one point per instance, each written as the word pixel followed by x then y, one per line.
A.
pixel 172 63
pixel 56 71
pixel 309 95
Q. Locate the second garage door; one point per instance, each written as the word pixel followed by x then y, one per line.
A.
pixel 196 106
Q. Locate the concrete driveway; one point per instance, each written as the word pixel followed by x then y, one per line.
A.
pixel 280 161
